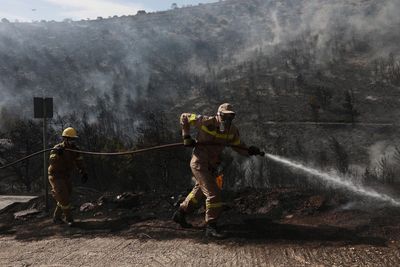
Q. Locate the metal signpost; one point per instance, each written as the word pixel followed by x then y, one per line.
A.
pixel 43 109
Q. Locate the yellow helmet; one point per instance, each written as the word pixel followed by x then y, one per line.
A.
pixel 70 133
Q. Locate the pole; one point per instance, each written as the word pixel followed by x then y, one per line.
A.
pixel 46 195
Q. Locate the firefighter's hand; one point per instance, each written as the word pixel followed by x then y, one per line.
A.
pixel 84 178
pixel 188 141
pixel 254 151
pixel 60 151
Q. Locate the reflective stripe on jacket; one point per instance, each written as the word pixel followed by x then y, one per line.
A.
pixel 209 132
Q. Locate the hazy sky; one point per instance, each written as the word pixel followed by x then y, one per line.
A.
pixel 30 10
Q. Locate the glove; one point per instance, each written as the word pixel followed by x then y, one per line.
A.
pixel 84 178
pixel 188 141
pixel 253 151
pixel 60 151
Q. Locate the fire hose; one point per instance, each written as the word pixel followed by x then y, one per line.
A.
pixel 121 153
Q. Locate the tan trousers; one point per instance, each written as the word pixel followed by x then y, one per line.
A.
pixel 61 188
pixel 206 188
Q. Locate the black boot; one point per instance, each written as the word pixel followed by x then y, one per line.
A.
pixel 180 218
pixel 213 231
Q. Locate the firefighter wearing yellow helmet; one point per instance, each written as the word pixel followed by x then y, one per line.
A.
pixel 61 163
pixel 213 130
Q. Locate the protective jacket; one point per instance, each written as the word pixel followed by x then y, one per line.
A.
pixel 65 163
pixel 210 133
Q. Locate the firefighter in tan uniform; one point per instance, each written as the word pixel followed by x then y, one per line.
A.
pixel 61 164
pixel 205 160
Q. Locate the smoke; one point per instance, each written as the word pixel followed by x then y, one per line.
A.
pixel 328 25
pixel 4 96
pixel 168 59
pixel 380 150
pixel 384 159
pixel 92 56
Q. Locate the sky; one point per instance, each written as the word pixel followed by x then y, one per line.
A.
pixel 58 10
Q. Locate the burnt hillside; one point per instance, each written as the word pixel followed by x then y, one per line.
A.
pixel 124 81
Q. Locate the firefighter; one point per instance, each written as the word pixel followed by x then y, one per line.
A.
pixel 61 164
pixel 214 133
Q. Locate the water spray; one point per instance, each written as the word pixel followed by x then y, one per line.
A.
pixel 337 180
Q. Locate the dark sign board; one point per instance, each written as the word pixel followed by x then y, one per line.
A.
pixel 43 107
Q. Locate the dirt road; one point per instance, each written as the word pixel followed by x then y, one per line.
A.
pixel 278 228
pixel 160 243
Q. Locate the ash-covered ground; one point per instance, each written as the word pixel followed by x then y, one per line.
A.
pixel 286 226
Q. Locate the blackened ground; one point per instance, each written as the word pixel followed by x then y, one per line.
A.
pixel 288 226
